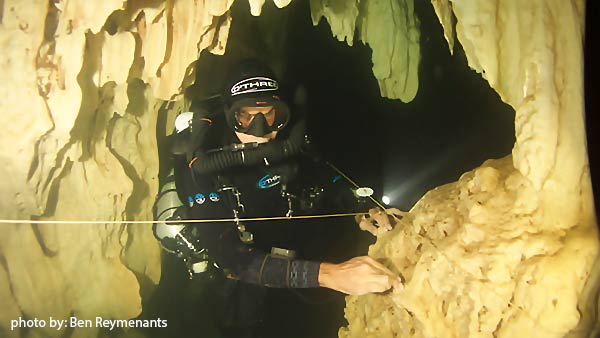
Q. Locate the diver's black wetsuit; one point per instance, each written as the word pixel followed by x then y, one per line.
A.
pixel 266 189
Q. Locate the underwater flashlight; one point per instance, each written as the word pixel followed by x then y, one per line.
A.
pixel 364 192
pixel 385 200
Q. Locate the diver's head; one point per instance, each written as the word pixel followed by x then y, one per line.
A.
pixel 253 108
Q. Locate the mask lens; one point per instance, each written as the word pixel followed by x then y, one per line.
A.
pixel 270 117
pixel 245 117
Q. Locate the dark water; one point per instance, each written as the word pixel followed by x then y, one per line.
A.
pixel 455 123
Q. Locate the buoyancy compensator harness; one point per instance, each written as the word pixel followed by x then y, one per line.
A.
pixel 252 86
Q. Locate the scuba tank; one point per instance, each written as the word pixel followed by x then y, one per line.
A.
pixel 178 239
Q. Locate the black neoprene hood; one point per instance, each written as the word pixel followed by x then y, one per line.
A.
pixel 251 79
pixel 251 83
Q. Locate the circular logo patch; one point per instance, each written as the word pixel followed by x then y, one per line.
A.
pixel 214 197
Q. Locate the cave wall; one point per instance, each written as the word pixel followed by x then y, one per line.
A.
pixel 88 88
pixel 510 250
pixel 83 87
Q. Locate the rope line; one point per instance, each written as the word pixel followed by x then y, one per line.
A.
pixel 354 184
pixel 180 221
pixel 252 219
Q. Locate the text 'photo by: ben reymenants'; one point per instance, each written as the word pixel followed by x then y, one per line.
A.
pixel 97 322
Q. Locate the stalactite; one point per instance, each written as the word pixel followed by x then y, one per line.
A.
pixel 390 28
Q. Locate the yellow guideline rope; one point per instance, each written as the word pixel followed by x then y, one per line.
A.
pixel 179 221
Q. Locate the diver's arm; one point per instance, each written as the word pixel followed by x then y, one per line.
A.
pixel 358 276
pixel 247 263
pixel 282 272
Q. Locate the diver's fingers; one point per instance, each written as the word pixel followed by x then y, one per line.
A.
pixel 374 263
pixel 386 276
pixel 390 281
pixel 397 283
pixel 380 283
pixel 393 281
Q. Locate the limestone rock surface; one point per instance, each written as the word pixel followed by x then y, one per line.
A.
pixel 83 86
pixel 477 263
pixel 510 250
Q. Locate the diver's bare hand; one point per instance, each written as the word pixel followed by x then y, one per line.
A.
pixel 358 276
pixel 377 221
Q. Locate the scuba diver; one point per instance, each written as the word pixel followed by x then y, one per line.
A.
pixel 249 156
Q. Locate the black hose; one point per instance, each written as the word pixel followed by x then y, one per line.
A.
pixel 273 151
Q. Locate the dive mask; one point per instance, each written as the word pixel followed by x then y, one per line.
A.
pixel 258 122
